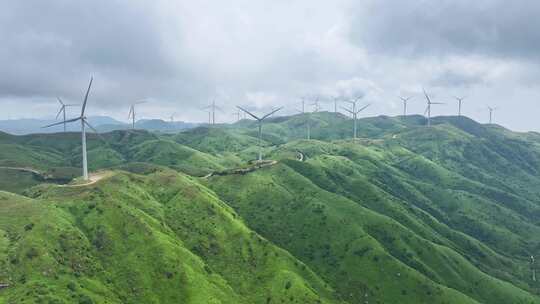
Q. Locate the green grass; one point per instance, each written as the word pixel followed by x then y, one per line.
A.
pixel 404 214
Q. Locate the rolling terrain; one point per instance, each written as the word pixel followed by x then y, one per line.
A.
pixel 405 214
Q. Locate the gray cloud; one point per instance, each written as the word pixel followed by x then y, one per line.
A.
pixel 442 27
pixel 182 54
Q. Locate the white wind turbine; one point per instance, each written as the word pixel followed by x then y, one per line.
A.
pixel 460 102
pixel 491 110
pixel 405 101
pixel 237 114
pixel 308 123
pixel 63 107
pixel 84 124
pixel 316 104
pixel 428 108
pixel 260 122
pixel 212 111
pixel 132 112
pixel 354 112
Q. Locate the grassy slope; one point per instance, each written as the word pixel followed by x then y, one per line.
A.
pixel 410 215
pixel 133 239
pixel 342 240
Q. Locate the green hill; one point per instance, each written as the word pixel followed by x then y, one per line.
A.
pixel 404 214
pixel 162 238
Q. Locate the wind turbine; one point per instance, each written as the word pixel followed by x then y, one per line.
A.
pixel 460 102
pixel 354 112
pixel 405 100
pixel 491 110
pixel 132 112
pixel 63 107
pixel 303 105
pixel 212 107
pixel 335 104
pixel 260 121
pixel 84 124
pixel 237 114
pixel 172 117
pixel 316 104
pixel 428 108
pixel 308 125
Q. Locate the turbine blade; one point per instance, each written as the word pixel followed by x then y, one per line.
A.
pixel 270 114
pixel 427 97
pixel 95 131
pixel 90 126
pixel 62 108
pixel 61 122
pixel 437 103
pixel 86 96
pixel 60 100
pixel 249 113
pixel 347 110
pixel 363 108
pixel 425 112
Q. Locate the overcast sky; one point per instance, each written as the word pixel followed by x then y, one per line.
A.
pixel 179 55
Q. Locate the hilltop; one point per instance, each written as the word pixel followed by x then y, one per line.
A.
pixel 405 214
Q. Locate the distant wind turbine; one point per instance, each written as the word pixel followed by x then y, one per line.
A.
pixel 84 124
pixel 460 102
pixel 354 112
pixel 303 105
pixel 405 100
pixel 172 117
pixel 491 110
pixel 237 114
pixel 132 114
pixel 260 120
pixel 308 124
pixel 212 108
pixel 335 104
pixel 316 104
pixel 63 107
pixel 428 108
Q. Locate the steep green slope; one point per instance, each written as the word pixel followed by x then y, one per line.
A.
pixel 133 239
pixel 363 255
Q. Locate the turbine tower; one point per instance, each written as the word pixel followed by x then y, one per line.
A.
pixel 63 107
pixel 260 121
pixel 316 104
pixel 491 110
pixel 428 108
pixel 335 104
pixel 460 102
pixel 237 114
pixel 131 113
pixel 354 112
pixel 405 100
pixel 212 108
pixel 84 124
pixel 308 125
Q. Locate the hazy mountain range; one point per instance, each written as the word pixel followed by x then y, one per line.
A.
pixel 101 123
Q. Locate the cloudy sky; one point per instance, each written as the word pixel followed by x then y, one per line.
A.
pixel 179 55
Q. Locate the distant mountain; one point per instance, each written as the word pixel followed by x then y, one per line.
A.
pixel 101 123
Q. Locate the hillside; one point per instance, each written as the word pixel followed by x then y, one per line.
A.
pixel 405 214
